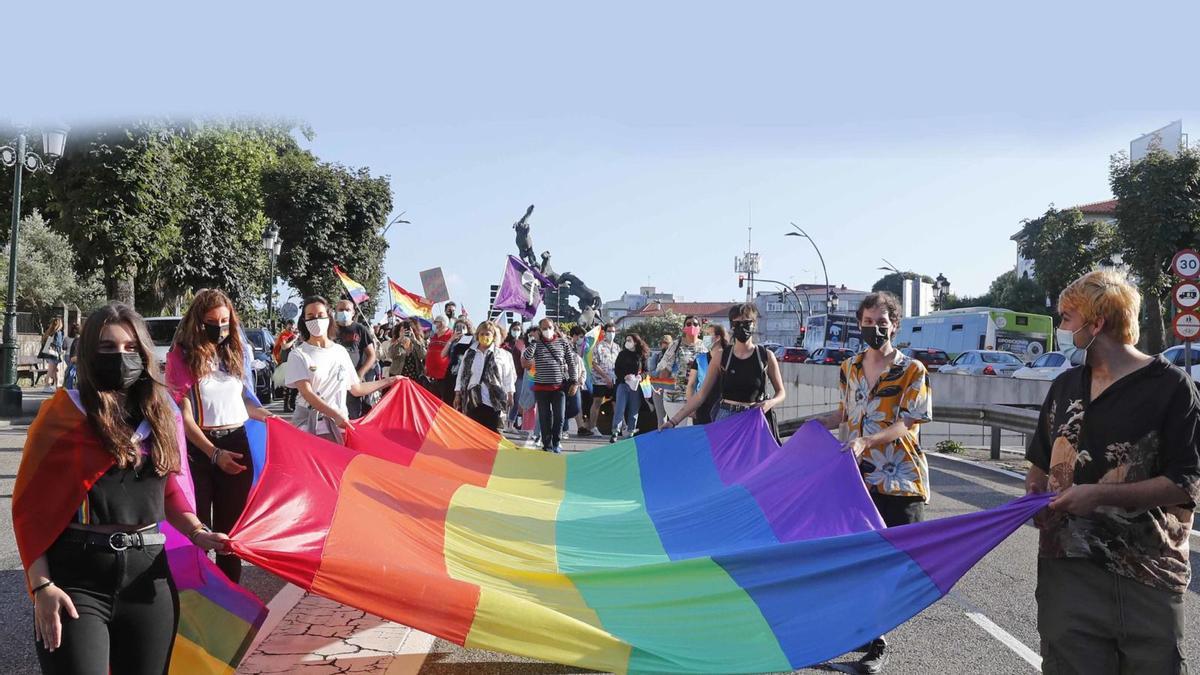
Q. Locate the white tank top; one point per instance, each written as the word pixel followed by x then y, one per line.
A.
pixel 221 403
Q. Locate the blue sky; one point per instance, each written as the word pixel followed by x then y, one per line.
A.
pixel 649 135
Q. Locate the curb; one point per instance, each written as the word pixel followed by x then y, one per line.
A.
pixel 16 422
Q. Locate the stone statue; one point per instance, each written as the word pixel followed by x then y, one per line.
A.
pixel 524 241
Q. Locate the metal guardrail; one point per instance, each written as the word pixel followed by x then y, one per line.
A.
pixel 998 417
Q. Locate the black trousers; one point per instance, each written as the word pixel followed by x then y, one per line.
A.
pixel 897 510
pixel 221 497
pixel 485 415
pixel 550 406
pixel 128 610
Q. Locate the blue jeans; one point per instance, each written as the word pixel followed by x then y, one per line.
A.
pixel 626 408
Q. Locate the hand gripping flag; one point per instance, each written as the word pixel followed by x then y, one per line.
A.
pixel 408 305
pixel 356 291
pixel 702 549
pixel 521 289
pixel 61 460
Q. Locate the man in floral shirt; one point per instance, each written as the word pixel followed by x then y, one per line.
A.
pixel 885 395
pixel 1119 441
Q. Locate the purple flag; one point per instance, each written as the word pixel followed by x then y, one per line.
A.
pixel 521 289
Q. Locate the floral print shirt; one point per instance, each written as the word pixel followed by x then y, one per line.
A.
pixel 1144 425
pixel 902 392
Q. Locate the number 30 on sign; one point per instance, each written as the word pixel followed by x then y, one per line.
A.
pixel 1186 264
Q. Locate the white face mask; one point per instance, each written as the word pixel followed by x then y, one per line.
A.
pixel 1066 344
pixel 317 327
pixel 344 316
pixel 708 341
pixel 548 334
pixel 629 345
pixel 609 337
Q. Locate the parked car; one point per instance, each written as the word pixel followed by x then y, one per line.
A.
pixel 261 362
pixel 830 357
pixel 984 362
pixel 933 359
pixel 791 354
pixel 1048 366
pixel 1175 356
pixel 162 334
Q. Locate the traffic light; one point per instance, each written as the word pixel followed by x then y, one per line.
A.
pixel 741 281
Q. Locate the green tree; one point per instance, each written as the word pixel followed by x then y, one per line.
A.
pixel 1007 291
pixel 651 330
pixel 1158 213
pixel 328 215
pixel 116 195
pixel 45 271
pixel 1064 246
pixel 893 282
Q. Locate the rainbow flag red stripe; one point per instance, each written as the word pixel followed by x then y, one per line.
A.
pixel 357 292
pixel 702 549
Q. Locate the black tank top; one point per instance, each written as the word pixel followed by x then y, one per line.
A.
pixel 130 496
pixel 744 380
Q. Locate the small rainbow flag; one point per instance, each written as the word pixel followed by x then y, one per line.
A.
pixel 408 305
pixel 357 292
pixel 590 340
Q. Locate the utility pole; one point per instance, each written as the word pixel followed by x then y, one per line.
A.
pixel 749 264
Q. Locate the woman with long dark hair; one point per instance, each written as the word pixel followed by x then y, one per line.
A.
pixel 629 369
pixel 86 511
pixel 208 371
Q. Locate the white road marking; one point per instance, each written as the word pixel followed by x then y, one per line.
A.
pixel 1004 637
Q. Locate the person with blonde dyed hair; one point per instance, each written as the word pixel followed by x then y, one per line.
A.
pixel 1118 439
pixel 487 379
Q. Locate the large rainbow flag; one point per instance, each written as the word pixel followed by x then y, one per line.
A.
pixel 356 291
pixel 407 305
pixel 61 460
pixel 701 549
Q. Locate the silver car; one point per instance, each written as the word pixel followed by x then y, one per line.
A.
pixel 1048 366
pixel 1175 356
pixel 984 362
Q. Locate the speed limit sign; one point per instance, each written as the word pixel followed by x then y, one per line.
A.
pixel 1186 264
pixel 1187 325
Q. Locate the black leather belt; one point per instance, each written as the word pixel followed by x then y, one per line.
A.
pixel 116 541
pixel 221 433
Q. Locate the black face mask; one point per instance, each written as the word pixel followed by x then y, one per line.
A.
pixel 875 336
pixel 742 330
pixel 216 333
pixel 117 371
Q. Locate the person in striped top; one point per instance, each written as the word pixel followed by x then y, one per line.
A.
pixel 555 378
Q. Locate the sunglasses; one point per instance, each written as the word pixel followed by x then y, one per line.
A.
pixel 691 323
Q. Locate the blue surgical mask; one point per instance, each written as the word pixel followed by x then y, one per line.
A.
pixel 1066 344
pixel 343 316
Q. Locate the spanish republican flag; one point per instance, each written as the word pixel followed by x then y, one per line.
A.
pixel 61 461
pixel 702 549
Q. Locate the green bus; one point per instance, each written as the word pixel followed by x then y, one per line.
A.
pixel 958 330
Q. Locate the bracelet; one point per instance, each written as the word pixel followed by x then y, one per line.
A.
pixel 35 590
pixel 216 453
pixel 198 530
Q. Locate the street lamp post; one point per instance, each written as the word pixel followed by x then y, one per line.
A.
pixel 22 159
pixel 272 243
pixel 941 286
pixel 830 298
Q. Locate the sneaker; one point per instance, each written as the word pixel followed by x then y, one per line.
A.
pixel 875 658
pixel 557 450
pixel 612 439
pixel 564 435
pixel 584 433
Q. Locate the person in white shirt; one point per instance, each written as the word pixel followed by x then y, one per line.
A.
pixel 487 379
pixel 322 372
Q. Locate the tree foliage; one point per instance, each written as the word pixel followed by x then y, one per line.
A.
pixel 1158 213
pixel 651 330
pixel 1064 246
pixel 893 282
pixel 1006 291
pixel 45 270
pixel 328 215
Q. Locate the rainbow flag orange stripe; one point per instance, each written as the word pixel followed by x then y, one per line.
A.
pixel 357 292
pixel 702 549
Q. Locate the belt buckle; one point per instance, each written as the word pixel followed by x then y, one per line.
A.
pixel 113 539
